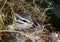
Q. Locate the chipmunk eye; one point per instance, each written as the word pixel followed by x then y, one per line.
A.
pixel 17 18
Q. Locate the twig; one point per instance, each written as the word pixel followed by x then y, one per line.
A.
pixel 18 32
pixel 3 6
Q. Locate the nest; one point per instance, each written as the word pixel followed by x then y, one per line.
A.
pixel 38 33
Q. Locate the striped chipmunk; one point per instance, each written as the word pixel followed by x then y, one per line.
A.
pixel 21 21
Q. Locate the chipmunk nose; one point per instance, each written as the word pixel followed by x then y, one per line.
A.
pixel 30 22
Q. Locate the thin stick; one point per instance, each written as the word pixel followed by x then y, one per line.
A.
pixel 3 6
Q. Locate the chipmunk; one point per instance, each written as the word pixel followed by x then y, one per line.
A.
pixel 20 22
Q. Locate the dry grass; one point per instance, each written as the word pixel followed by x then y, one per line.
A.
pixel 36 34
